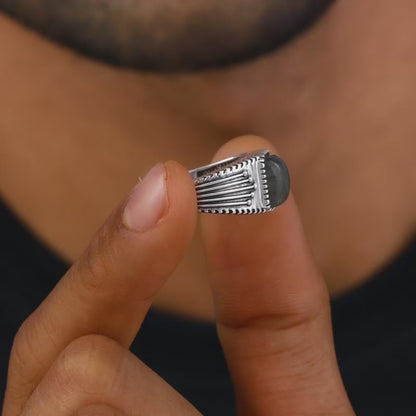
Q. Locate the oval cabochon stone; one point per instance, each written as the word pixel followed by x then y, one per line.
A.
pixel 278 180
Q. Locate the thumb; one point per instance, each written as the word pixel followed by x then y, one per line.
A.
pixel 273 311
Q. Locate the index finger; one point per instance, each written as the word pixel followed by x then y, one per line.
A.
pixel 110 287
pixel 272 310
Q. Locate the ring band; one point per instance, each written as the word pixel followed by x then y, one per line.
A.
pixel 250 183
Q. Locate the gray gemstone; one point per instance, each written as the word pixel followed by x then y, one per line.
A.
pixel 278 180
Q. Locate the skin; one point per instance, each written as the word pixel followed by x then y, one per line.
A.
pixel 320 102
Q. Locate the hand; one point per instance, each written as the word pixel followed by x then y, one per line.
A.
pixel 71 355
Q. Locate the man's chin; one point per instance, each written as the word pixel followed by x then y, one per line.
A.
pixel 163 35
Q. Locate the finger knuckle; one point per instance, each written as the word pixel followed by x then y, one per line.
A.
pixel 99 409
pixel 96 267
pixel 22 352
pixel 90 364
pixel 292 310
pixel 21 346
pixel 305 307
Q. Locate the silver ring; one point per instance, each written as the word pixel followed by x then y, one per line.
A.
pixel 250 183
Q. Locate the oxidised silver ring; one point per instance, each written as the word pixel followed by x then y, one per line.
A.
pixel 250 183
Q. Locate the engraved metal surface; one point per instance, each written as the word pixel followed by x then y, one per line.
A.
pixel 237 185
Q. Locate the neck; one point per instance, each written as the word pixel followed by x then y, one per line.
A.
pixel 338 103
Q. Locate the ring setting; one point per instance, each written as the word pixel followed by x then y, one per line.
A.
pixel 250 183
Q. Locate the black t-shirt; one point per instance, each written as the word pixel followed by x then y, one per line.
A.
pixel 374 329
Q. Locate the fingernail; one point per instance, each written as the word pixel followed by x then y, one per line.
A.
pixel 148 201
